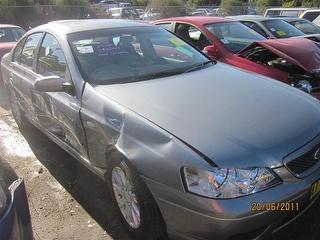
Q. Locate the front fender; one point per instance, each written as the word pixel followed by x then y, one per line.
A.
pixel 155 153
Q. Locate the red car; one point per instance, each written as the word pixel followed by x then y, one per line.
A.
pixel 295 61
pixel 9 35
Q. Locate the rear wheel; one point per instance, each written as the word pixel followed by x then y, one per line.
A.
pixel 18 114
pixel 137 208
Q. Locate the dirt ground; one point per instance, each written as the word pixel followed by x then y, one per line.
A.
pixel 68 202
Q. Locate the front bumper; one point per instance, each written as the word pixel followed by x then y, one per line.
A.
pixel 190 217
pixel 15 223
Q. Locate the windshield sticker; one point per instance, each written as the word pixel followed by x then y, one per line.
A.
pixel 83 42
pixel 85 49
pixel 281 33
pixel 273 29
pixel 176 41
pixel 110 50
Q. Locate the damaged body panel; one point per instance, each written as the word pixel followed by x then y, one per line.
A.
pixel 166 126
pixel 295 61
pixel 303 72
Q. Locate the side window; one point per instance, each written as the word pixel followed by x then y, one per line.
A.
pixel 167 25
pixel 272 13
pixel 171 49
pixel 51 60
pixel 17 51
pixel 311 15
pixel 192 35
pixel 29 50
pixel 256 28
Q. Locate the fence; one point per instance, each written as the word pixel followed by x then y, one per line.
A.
pixel 31 16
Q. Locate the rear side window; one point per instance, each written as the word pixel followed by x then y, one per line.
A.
pixel 165 25
pixel 312 15
pixel 18 33
pixel 51 60
pixel 17 51
pixel 29 50
pixel 272 13
pixel 6 35
pixel 306 27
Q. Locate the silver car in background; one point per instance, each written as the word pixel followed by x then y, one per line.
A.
pixel 188 147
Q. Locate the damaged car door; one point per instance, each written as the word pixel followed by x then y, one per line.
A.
pixel 57 110
pixel 22 75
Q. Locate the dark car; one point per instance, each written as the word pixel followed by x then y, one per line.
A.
pixel 303 25
pixel 292 60
pixel 185 145
pixel 15 223
pixel 269 27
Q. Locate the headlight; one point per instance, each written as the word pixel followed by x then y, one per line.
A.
pixel 228 183
pixel 303 85
pixel 3 200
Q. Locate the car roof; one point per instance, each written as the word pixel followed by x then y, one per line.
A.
pixel 202 20
pixel 284 8
pixel 292 19
pixel 313 10
pixel 258 18
pixel 79 25
pixel 8 26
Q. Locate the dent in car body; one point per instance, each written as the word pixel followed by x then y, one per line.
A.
pixel 207 114
pixel 149 148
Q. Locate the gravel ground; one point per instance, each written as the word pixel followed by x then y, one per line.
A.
pixel 68 202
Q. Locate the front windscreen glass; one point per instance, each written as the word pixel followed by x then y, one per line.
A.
pixel 132 54
pixel 234 35
pixel 281 29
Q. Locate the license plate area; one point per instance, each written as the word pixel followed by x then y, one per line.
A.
pixel 315 189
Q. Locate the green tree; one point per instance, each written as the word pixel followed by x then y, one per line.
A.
pixel 289 3
pixel 233 7
pixel 168 8
pixel 139 2
pixel 311 3
pixel 73 2
pixel 263 4
pixel 15 2
pixel 196 3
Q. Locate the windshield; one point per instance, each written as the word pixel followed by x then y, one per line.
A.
pixel 11 34
pixel 306 27
pixel 281 29
pixel 234 35
pixel 131 54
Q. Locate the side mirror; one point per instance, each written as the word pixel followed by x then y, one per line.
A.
pixel 52 84
pixel 212 51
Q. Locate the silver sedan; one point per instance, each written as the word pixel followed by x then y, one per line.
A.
pixel 188 147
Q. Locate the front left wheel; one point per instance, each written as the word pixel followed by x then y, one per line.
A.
pixel 137 208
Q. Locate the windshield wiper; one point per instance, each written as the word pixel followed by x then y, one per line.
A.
pixel 199 66
pixel 164 73
pixel 152 76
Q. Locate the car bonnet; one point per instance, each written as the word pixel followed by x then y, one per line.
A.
pixel 300 51
pixel 233 117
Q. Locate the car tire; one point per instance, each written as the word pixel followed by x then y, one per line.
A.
pixel 17 113
pixel 135 193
